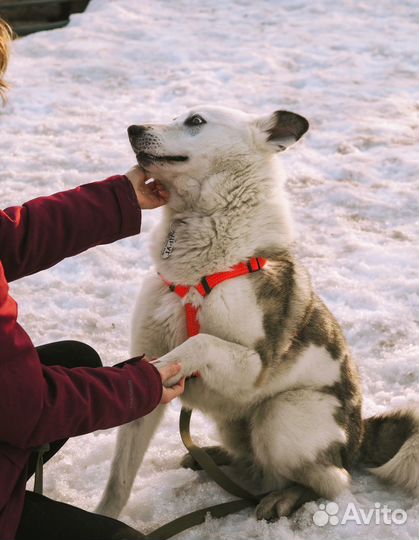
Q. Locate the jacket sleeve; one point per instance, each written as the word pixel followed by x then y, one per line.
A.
pixel 46 230
pixel 40 404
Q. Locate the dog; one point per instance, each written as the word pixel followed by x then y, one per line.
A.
pixel 275 371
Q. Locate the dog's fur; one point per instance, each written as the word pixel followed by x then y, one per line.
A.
pixel 276 373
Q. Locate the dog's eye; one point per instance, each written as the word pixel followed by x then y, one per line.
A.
pixel 195 120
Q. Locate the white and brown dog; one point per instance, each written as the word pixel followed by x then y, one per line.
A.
pixel 276 374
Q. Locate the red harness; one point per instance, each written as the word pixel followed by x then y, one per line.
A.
pixel 207 284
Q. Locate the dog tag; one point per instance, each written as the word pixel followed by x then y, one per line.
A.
pixel 170 244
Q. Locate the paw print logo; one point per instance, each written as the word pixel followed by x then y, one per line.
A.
pixel 326 514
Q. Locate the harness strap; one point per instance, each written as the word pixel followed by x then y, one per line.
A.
pixel 192 322
pixel 208 283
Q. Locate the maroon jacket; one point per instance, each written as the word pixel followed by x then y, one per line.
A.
pixel 40 404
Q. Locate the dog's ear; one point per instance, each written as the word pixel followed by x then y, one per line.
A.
pixel 283 128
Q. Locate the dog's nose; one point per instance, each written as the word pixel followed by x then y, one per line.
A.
pixel 134 132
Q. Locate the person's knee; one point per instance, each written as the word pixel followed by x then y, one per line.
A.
pixel 70 354
pixel 85 355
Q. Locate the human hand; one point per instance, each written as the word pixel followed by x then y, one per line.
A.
pixel 174 391
pixel 150 195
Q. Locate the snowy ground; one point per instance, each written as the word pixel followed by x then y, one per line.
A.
pixel 348 66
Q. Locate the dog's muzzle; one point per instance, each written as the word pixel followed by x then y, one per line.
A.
pixel 142 141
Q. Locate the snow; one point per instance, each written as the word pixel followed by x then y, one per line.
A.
pixel 350 67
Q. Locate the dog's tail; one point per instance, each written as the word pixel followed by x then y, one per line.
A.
pixel 390 447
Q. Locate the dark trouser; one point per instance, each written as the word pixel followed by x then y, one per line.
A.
pixel 45 519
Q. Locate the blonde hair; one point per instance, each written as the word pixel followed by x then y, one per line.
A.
pixel 5 38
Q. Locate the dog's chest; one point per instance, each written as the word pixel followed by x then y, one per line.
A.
pixel 230 312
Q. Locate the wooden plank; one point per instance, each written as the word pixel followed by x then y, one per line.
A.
pixel 23 3
pixel 25 29
pixel 28 16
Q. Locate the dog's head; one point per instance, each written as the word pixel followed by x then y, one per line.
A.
pixel 209 140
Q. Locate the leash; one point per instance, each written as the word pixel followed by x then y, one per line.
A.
pixel 207 463
pixel 183 523
pixel 38 486
pixel 198 517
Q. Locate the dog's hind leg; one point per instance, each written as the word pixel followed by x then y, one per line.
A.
pixel 296 437
pixel 132 443
pixel 283 503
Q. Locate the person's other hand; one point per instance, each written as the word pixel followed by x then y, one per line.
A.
pixel 150 195
pixel 174 391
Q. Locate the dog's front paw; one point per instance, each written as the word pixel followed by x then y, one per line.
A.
pixel 190 357
pixel 217 454
pixel 187 368
pixel 188 462
pixel 163 362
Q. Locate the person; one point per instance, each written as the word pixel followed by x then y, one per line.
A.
pixel 55 391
